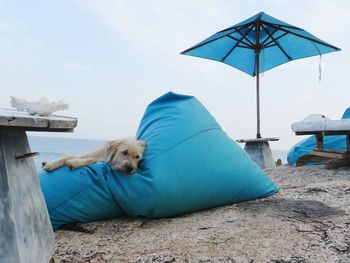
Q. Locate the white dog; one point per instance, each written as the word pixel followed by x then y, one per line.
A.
pixel 123 155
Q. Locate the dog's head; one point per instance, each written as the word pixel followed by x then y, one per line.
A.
pixel 124 155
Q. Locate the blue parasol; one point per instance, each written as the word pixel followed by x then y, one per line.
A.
pixel 241 46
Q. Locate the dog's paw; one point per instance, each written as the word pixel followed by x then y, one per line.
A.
pixel 47 167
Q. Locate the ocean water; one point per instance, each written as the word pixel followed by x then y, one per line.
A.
pixel 51 148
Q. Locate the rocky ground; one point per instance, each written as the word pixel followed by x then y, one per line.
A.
pixel 307 221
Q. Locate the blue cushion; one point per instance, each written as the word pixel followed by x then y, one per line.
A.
pixel 81 195
pixel 305 146
pixel 190 164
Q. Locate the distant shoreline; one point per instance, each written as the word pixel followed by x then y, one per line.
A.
pixel 54 147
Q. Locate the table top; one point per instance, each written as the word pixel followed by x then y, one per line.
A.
pixel 271 139
pixel 321 126
pixel 20 120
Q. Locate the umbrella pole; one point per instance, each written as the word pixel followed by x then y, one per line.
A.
pixel 258 135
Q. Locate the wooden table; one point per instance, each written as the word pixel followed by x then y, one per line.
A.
pixel 336 158
pixel 26 234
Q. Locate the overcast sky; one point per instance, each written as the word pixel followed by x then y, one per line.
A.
pixel 110 58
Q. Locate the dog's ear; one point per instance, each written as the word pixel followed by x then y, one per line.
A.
pixel 142 143
pixel 112 148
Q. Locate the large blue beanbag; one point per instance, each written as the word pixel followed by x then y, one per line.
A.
pixel 190 164
pixel 81 195
pixel 305 147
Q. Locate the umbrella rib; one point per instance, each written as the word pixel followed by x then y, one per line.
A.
pixel 240 40
pixel 236 45
pixel 202 44
pixel 247 47
pixel 212 40
pixel 271 44
pixel 272 33
pixel 245 37
pixel 301 36
pixel 266 45
pixel 236 27
pixel 207 42
pixel 287 26
pixel 278 45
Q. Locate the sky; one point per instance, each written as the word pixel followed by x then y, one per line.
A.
pixel 110 58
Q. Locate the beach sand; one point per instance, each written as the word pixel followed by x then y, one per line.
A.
pixel 307 221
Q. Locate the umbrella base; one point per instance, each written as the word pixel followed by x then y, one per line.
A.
pixel 260 152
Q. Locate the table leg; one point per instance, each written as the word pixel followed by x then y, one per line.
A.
pixel 319 140
pixel 348 143
pixel 25 230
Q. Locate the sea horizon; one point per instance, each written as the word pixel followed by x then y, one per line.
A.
pixel 51 148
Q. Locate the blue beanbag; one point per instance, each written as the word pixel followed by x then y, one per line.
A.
pixel 305 147
pixel 190 164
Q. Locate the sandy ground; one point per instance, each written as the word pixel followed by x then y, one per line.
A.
pixel 307 221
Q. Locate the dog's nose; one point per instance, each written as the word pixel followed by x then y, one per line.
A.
pixel 128 168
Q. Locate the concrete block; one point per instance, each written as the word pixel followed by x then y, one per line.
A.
pixel 26 234
pixel 260 153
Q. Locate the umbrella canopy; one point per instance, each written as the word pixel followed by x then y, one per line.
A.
pixel 258 44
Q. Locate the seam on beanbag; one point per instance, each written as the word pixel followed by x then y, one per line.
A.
pixel 182 141
pixel 93 182
pixel 72 197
